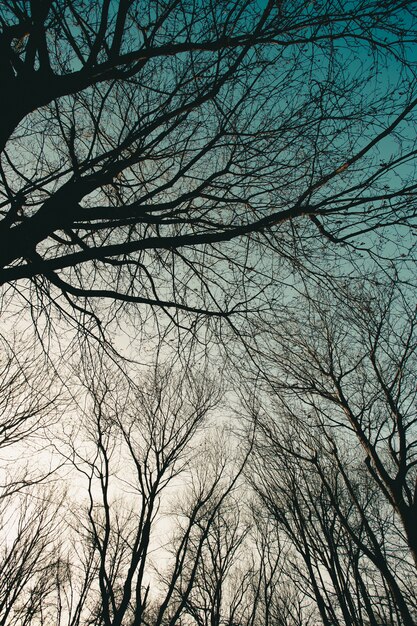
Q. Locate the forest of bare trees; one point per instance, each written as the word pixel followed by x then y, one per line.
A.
pixel 208 350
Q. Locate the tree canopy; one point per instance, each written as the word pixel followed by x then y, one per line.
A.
pixel 152 152
pixel 207 339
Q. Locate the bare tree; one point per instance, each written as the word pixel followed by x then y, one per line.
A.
pixel 139 448
pixel 350 555
pixel 31 565
pixel 32 555
pixel 212 556
pixel 358 375
pixel 150 153
pixel 31 400
pixel 336 463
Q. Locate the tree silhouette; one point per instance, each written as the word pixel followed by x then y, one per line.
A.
pixel 151 152
pixel 210 160
pixel 337 440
